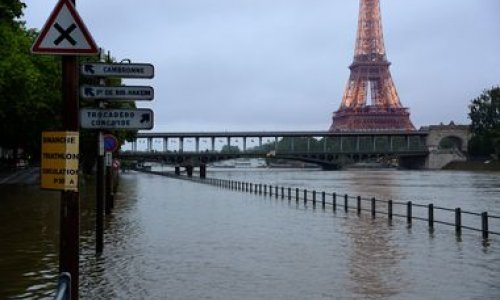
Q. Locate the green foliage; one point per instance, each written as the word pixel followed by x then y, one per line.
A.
pixel 485 116
pixel 29 90
pixel 10 10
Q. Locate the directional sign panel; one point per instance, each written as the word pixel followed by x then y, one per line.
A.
pixel 64 33
pixel 94 118
pixel 118 70
pixel 117 92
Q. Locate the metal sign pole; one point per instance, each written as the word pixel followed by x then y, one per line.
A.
pixel 69 245
pixel 99 241
pixel 100 185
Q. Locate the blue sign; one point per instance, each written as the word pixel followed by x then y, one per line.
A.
pixel 110 143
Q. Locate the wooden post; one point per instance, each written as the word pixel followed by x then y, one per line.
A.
pixel 270 190
pixel 276 191
pixel 305 196
pixel 265 189
pixel 314 198
pixel 297 194
pixel 323 199
pixel 282 192
pixel 359 204
pixel 289 193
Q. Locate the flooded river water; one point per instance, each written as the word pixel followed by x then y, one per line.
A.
pixel 176 239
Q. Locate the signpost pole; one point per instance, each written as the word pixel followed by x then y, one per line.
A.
pixel 100 189
pixel 109 183
pixel 69 245
pixel 99 240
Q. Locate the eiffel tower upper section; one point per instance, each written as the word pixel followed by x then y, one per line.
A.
pixel 370 100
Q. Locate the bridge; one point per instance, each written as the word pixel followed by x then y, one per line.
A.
pixel 331 150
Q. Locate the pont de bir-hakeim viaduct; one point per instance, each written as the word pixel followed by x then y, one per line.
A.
pixel 370 124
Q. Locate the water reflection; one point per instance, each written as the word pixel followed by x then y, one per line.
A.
pixel 374 261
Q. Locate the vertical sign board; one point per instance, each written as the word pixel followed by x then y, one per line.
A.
pixel 59 167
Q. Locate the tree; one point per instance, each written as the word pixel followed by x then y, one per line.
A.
pixel 485 116
pixel 10 10
pixel 29 99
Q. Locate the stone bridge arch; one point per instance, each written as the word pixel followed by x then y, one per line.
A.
pixel 440 135
pixel 446 143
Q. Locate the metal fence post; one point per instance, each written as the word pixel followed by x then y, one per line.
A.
pixel 346 203
pixel 389 210
pixel 409 212
pixel 373 207
pixel 484 222
pixel 431 216
pixel 458 220
pixel 334 201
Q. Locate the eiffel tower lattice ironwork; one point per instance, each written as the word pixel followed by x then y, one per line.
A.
pixel 370 101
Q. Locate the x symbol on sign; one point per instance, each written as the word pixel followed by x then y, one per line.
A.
pixel 64 34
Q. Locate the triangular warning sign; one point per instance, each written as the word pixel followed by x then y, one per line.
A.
pixel 64 33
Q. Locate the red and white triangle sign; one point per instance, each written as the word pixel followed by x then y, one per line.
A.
pixel 64 33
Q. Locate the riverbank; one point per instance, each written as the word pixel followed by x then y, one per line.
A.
pixel 473 166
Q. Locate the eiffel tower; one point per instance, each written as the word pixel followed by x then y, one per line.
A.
pixel 370 101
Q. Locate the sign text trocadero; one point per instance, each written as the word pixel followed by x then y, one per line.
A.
pixel 93 118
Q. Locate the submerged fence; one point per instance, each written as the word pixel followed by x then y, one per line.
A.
pixel 432 214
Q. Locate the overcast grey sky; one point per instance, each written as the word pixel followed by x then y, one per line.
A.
pixel 282 64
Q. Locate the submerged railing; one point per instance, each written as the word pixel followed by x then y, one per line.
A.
pixel 407 210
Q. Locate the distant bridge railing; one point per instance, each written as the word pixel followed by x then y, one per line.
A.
pixel 321 142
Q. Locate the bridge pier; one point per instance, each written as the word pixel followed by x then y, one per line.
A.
pixel 203 171
pixel 189 170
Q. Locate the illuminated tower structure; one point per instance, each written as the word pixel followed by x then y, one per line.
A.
pixel 370 101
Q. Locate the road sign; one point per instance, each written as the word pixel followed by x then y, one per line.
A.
pixel 117 92
pixel 59 166
pixel 64 33
pixel 110 143
pixel 117 70
pixel 94 118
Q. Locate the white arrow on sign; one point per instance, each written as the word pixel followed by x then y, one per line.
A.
pixel 117 92
pixel 118 70
pixel 94 118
